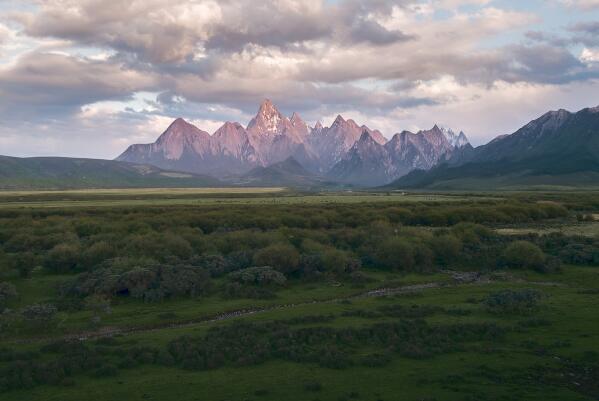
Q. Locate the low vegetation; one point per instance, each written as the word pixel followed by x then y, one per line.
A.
pixel 347 291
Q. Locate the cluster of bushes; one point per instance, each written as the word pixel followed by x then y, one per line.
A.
pixel 157 253
pixel 67 241
pixel 59 362
pixel 508 302
pixel 576 250
pixel 251 343
pixel 241 344
pixel 149 283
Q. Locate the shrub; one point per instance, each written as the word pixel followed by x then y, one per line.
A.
pixel 524 254
pixel 39 314
pixel 313 386
pixel 395 253
pixel 338 261
pixel 63 258
pixel 512 301
pixel 446 248
pixel 260 276
pixel 7 293
pixel 283 257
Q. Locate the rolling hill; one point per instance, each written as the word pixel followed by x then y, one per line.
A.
pixel 288 173
pixel 71 173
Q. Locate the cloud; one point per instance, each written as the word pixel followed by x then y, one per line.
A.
pixel 50 85
pixel 4 34
pixel 589 55
pixel 375 33
pixel 586 33
pixel 98 66
pixel 582 4
pixel 175 30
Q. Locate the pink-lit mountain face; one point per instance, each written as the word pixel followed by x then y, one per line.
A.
pixel 345 151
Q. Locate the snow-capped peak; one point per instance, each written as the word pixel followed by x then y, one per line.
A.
pixel 454 139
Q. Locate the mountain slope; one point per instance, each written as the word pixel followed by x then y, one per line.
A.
pixel 181 147
pixel 66 173
pixel 288 173
pixel 332 143
pixel 366 164
pixel 558 148
pixel 370 163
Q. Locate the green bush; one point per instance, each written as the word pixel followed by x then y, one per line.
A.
pixel 395 253
pixel 63 258
pixel 524 254
pixel 513 301
pixel 8 292
pixel 260 276
pixel 283 257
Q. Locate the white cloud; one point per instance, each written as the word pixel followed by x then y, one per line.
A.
pixel 582 4
pixel 112 73
pixel 589 55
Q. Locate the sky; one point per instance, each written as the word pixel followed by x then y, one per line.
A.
pixel 87 78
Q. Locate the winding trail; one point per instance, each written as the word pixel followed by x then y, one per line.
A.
pixel 112 331
pixel 381 292
pixel 108 332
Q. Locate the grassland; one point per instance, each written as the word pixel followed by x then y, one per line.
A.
pixel 493 371
pixel 589 229
pixel 206 196
pixel 549 351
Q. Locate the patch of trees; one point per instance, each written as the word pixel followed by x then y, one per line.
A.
pixel 157 253
pixel 149 283
pixel 576 250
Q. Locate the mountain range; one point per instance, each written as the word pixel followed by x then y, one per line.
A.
pixel 344 152
pixel 559 148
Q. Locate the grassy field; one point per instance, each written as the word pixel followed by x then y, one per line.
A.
pixel 491 371
pixel 391 332
pixel 589 229
pixel 207 196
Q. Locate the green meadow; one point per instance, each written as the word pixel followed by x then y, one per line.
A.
pixel 271 294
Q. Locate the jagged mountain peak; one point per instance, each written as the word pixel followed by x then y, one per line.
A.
pixel 296 120
pixel 366 137
pixel 180 128
pixel 454 139
pixel 338 120
pixel 267 107
pixel 179 124
pixel 267 119
pixel 228 127
pixel 271 137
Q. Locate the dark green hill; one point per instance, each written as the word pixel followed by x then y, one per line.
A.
pixel 288 173
pixel 69 173
pixel 559 149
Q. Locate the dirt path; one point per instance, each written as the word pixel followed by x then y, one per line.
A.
pixel 112 331
pixel 381 292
